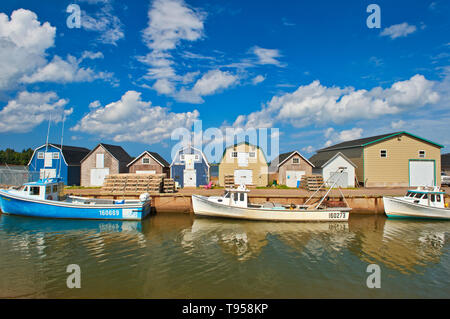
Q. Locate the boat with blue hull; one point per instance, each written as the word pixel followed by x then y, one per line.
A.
pixel 45 198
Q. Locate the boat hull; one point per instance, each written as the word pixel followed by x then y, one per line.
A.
pixel 397 208
pixel 16 205
pixel 203 207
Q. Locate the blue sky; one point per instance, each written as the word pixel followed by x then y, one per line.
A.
pixel 135 71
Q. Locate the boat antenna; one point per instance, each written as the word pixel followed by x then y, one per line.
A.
pixel 62 140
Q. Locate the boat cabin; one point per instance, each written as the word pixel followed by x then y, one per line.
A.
pixel 427 197
pixel 49 189
pixel 233 197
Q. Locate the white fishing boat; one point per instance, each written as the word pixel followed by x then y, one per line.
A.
pixel 423 202
pixel 234 204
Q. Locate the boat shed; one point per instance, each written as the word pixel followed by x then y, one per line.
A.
pixel 51 160
pixel 103 160
pixel 288 168
pixel 149 163
pixel 246 163
pixel 445 162
pixel 327 165
pixel 398 159
pixel 190 168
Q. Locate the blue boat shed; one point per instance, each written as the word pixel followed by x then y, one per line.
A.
pixel 190 168
pixel 51 160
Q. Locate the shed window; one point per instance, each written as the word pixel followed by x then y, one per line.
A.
pixel 55 155
pixel 234 154
pixel 296 160
pixel 252 154
pixel 422 154
pixel 40 155
pixel 197 157
pixel 383 153
pixel 182 157
pixel 145 160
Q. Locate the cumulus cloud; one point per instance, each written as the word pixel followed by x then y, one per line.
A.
pixel 28 110
pixel 334 137
pixel 132 119
pixel 23 42
pixel 315 103
pixel 258 79
pixel 399 30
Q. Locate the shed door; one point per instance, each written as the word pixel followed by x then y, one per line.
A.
pixel 243 176
pixel 421 173
pixel 342 179
pixel 189 159
pixel 190 178
pixel 242 159
pixel 98 176
pixel 48 159
pixel 292 177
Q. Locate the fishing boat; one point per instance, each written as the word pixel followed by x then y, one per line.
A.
pixel 234 204
pixel 423 202
pixel 45 198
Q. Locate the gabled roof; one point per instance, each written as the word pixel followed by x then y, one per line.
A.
pixel 154 155
pixel 370 140
pixel 116 151
pixel 72 154
pixel 445 160
pixel 285 156
pixel 321 160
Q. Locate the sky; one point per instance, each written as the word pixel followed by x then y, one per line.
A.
pixel 132 73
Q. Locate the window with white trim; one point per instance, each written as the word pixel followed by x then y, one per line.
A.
pixel 252 154
pixel 145 160
pixel 40 155
pixel 182 157
pixel 383 153
pixel 422 154
pixel 197 157
pixel 234 154
pixel 55 155
pixel 295 160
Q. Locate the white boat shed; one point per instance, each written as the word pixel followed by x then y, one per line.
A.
pixel 327 166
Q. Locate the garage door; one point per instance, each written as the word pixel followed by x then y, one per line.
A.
pixel 421 173
pixel 190 178
pixel 292 177
pixel 243 176
pixel 340 178
pixel 98 176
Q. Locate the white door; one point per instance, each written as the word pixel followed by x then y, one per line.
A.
pixel 242 159
pixel 100 161
pixel 48 159
pixel 292 177
pixel 421 173
pixel 47 173
pixel 189 160
pixel 145 172
pixel 243 176
pixel 98 176
pixel 190 178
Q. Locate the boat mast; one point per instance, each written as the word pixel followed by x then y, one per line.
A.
pixel 46 142
pixel 62 140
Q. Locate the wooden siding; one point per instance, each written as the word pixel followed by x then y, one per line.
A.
pixel 394 169
pixel 152 166
pixel 258 164
pixel 290 166
pixel 90 162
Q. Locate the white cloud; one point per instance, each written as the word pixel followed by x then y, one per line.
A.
pixel 258 79
pixel 23 42
pixel 65 71
pixel 29 109
pixel 94 105
pixel 213 81
pixel 318 104
pixel 396 125
pixel 267 56
pixel 399 30
pixel 132 119
pixel 308 149
pixel 105 22
pixel 91 55
pixel 342 136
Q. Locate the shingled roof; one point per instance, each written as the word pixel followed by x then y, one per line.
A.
pixel 155 155
pixel 116 151
pixel 369 140
pixel 320 159
pixel 284 156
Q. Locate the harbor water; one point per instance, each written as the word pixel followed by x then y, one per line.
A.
pixel 180 256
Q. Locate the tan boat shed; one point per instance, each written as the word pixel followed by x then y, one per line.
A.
pixel 288 168
pixel 395 159
pixel 246 162
pixel 149 163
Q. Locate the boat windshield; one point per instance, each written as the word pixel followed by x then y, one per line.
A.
pixel 227 195
pixel 409 194
pixel 418 195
